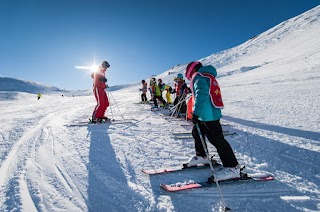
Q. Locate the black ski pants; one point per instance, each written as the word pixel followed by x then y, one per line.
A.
pixel 160 98
pixel 213 131
pixel 144 97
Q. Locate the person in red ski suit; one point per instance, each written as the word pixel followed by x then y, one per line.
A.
pixel 99 86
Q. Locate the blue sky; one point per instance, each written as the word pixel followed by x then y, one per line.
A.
pixel 43 41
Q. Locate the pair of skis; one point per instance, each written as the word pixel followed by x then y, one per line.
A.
pixel 107 121
pixel 192 184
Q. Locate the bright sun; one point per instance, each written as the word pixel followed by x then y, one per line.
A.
pixel 93 68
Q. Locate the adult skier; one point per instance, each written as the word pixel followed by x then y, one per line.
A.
pixel 99 86
pixel 206 114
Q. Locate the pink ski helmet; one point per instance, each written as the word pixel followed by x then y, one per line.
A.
pixel 191 68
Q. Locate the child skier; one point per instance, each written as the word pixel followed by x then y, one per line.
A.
pixel 207 114
pixel 156 93
pixel 144 90
pixel 168 94
pixel 181 90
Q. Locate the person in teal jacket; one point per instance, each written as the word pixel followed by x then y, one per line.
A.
pixel 207 114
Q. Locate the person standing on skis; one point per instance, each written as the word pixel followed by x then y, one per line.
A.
pixel 156 93
pixel 39 96
pixel 181 90
pixel 168 94
pixel 99 86
pixel 207 114
pixel 144 90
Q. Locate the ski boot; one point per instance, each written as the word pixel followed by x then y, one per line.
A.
pixel 200 160
pixel 105 119
pixel 228 173
pixel 97 120
pixel 154 108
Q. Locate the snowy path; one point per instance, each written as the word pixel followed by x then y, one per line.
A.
pixel 48 165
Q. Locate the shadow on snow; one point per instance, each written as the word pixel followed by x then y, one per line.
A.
pixel 289 131
pixel 107 187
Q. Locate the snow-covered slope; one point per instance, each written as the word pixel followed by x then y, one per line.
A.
pixel 48 162
pixel 283 61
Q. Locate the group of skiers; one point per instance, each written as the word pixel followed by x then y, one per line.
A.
pixel 156 89
pixel 206 111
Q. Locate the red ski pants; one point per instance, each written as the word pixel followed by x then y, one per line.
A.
pixel 102 102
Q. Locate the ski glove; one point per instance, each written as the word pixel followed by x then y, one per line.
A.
pixel 187 90
pixel 103 79
pixel 195 119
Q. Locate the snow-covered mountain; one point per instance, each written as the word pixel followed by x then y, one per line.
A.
pixel 291 41
pixel 11 84
pixel 51 160
pixel 11 88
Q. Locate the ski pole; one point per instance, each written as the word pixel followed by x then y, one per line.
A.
pixel 183 100
pixel 139 95
pixel 174 108
pixel 117 105
pixel 179 105
pixel 202 138
pixel 110 105
pixel 179 102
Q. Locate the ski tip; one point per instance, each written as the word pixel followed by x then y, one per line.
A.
pixel 146 171
pixel 262 177
pixel 270 177
pixel 179 187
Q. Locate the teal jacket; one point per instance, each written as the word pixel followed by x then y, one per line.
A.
pixel 203 107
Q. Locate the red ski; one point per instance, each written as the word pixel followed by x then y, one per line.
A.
pixel 192 185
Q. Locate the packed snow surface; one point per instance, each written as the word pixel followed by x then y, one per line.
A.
pixel 51 160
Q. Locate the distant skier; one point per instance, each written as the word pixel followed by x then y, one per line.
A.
pixel 39 96
pixel 144 90
pixel 99 86
pixel 206 114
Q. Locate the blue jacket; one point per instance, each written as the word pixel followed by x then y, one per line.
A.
pixel 203 107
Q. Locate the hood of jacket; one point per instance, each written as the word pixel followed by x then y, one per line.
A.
pixel 208 69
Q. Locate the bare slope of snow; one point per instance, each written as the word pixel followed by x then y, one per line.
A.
pixel 48 162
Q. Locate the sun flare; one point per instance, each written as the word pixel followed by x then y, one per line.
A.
pixel 92 68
